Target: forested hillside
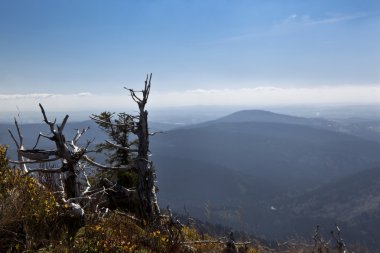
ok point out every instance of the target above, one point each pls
(254, 164)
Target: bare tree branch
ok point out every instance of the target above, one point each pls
(78, 135)
(60, 128)
(145, 92)
(121, 147)
(19, 145)
(37, 154)
(51, 124)
(154, 133)
(19, 133)
(14, 139)
(104, 167)
(38, 138)
(112, 124)
(44, 171)
(92, 194)
(35, 162)
(133, 95)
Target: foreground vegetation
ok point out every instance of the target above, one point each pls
(31, 220)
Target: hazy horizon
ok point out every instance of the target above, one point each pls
(200, 113)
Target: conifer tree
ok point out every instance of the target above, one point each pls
(118, 131)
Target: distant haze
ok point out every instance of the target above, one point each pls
(257, 96)
(185, 115)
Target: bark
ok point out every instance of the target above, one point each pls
(146, 190)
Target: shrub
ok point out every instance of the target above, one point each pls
(29, 215)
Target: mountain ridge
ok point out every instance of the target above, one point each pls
(255, 115)
(283, 160)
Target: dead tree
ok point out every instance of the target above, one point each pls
(340, 245)
(69, 154)
(20, 146)
(147, 207)
(146, 174)
(320, 246)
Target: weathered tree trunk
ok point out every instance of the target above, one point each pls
(146, 174)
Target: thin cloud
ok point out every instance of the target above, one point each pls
(249, 96)
(270, 95)
(41, 95)
(293, 21)
(306, 20)
(26, 96)
(83, 94)
(223, 91)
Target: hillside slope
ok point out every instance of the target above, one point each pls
(287, 155)
(352, 201)
(274, 163)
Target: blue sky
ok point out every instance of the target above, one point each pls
(76, 49)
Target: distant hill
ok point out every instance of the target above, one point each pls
(257, 161)
(344, 198)
(303, 155)
(367, 129)
(266, 116)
